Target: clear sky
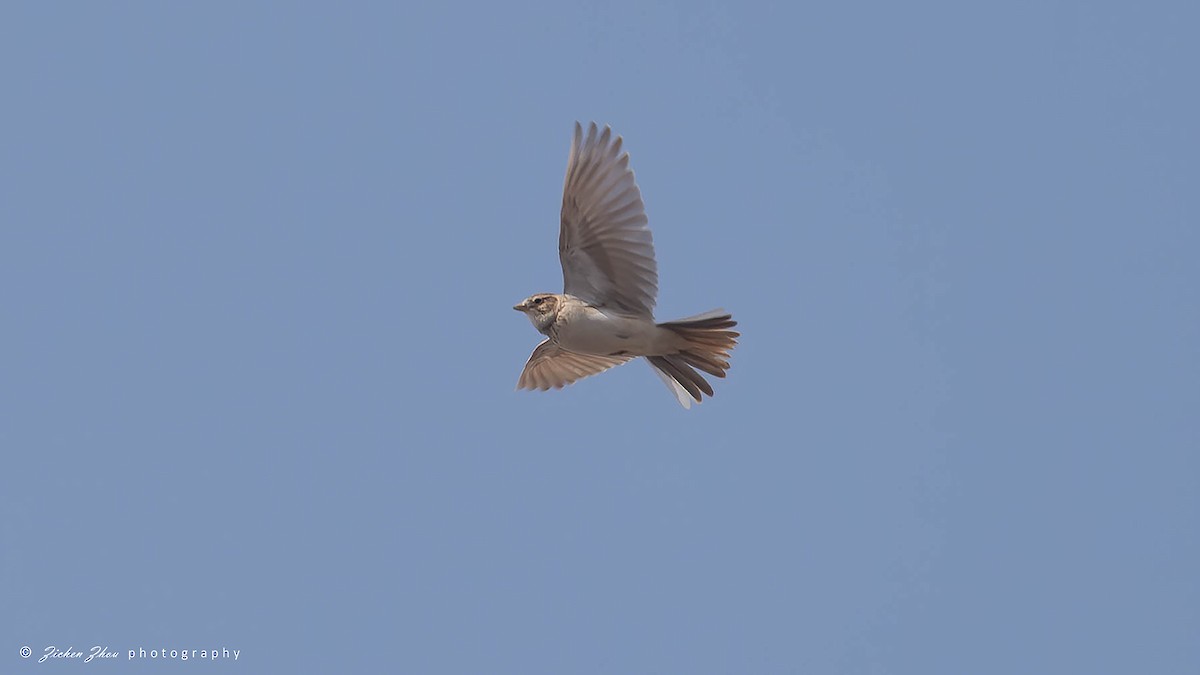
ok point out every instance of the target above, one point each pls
(257, 263)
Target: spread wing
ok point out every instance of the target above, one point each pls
(605, 247)
(551, 366)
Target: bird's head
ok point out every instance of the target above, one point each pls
(541, 309)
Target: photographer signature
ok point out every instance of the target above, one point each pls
(97, 652)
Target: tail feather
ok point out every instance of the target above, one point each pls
(710, 365)
(705, 345)
(683, 374)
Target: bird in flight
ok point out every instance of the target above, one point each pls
(605, 315)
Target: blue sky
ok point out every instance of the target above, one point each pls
(257, 262)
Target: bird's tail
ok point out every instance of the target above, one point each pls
(706, 342)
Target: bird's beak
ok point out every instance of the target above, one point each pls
(520, 307)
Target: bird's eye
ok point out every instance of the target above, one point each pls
(537, 301)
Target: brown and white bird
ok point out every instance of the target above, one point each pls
(605, 315)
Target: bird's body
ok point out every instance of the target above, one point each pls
(580, 327)
(605, 315)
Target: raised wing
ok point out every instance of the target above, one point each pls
(605, 247)
(551, 366)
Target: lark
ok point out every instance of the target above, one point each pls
(605, 315)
